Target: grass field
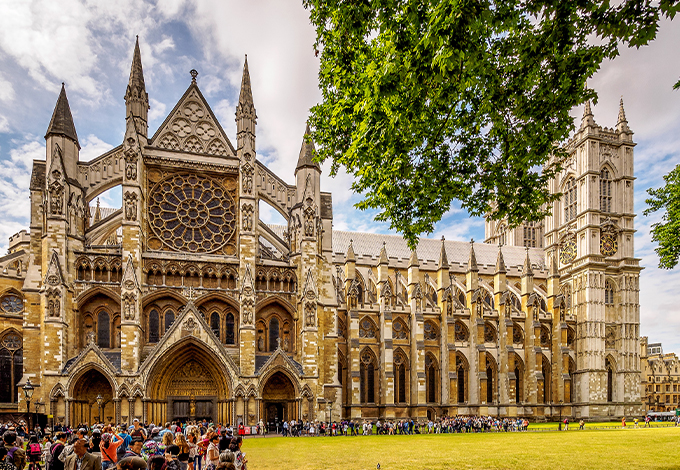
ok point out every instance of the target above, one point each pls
(630, 448)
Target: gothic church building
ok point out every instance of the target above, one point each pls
(183, 304)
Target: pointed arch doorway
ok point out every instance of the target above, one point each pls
(278, 400)
(189, 384)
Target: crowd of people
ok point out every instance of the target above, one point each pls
(175, 446)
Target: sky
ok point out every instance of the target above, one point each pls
(87, 44)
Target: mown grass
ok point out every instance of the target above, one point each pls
(643, 448)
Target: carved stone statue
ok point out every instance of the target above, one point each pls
(130, 206)
(260, 343)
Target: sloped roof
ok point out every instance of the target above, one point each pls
(62, 120)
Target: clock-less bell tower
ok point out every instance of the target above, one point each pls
(591, 233)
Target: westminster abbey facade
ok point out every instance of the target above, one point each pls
(182, 304)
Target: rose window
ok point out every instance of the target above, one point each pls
(11, 304)
(191, 213)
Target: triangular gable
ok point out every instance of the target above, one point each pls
(280, 359)
(53, 277)
(91, 354)
(192, 127)
(190, 322)
(129, 281)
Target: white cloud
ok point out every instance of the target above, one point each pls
(156, 111)
(92, 147)
(4, 124)
(15, 177)
(6, 89)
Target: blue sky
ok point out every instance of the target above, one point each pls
(88, 45)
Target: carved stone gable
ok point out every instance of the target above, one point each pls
(53, 277)
(192, 127)
(129, 281)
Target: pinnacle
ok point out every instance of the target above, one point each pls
(383, 255)
(472, 261)
(246, 95)
(554, 272)
(136, 72)
(526, 269)
(588, 119)
(414, 259)
(305, 160)
(622, 113)
(350, 253)
(500, 262)
(443, 260)
(62, 120)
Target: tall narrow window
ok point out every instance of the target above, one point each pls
(605, 191)
(215, 323)
(154, 326)
(431, 379)
(367, 378)
(546, 381)
(103, 330)
(608, 293)
(460, 372)
(570, 198)
(400, 377)
(11, 366)
(489, 385)
(169, 319)
(518, 381)
(610, 380)
(273, 334)
(229, 336)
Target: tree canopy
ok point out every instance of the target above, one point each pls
(666, 232)
(430, 101)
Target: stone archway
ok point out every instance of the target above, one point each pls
(188, 383)
(278, 401)
(83, 404)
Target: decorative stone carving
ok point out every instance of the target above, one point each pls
(130, 164)
(53, 304)
(310, 314)
(247, 216)
(53, 276)
(190, 325)
(129, 306)
(130, 199)
(247, 311)
(56, 198)
(310, 215)
(247, 177)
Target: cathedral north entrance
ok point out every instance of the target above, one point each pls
(188, 384)
(279, 401)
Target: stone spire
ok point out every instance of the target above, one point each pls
(62, 120)
(622, 122)
(383, 255)
(136, 97)
(350, 253)
(245, 106)
(136, 83)
(554, 271)
(472, 261)
(443, 260)
(97, 213)
(307, 153)
(500, 262)
(588, 119)
(526, 269)
(413, 261)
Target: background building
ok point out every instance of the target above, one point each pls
(660, 378)
(182, 304)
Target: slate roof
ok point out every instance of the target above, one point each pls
(62, 120)
(368, 245)
(38, 176)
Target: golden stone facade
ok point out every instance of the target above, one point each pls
(183, 304)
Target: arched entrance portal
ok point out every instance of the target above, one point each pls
(84, 406)
(188, 384)
(278, 401)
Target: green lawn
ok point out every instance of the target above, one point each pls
(630, 448)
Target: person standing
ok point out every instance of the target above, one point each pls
(53, 461)
(15, 453)
(80, 459)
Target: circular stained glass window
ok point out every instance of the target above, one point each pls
(11, 303)
(192, 213)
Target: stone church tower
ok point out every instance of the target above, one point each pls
(182, 304)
